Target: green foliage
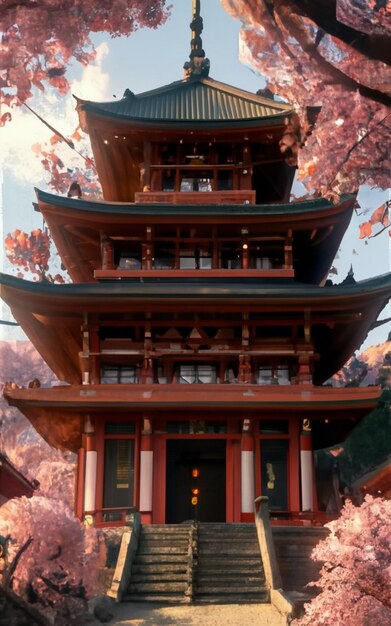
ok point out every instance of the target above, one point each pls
(369, 444)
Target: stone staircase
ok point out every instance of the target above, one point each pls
(200, 563)
(293, 545)
(229, 566)
(163, 566)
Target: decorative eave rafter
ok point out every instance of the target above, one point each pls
(57, 413)
(53, 314)
(76, 225)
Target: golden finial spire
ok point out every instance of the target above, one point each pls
(198, 64)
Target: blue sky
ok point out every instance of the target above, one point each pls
(146, 60)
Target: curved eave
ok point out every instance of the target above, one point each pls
(75, 226)
(12, 482)
(52, 315)
(294, 296)
(57, 412)
(95, 116)
(311, 209)
(194, 103)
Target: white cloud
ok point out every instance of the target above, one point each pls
(94, 83)
(25, 130)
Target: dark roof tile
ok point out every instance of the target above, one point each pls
(201, 100)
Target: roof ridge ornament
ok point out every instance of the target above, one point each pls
(198, 65)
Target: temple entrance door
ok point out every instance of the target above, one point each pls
(184, 457)
(274, 472)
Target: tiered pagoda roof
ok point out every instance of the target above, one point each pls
(317, 225)
(51, 315)
(196, 100)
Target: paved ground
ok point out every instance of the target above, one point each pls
(144, 614)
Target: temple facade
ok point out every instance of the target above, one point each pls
(199, 327)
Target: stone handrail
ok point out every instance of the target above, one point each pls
(269, 559)
(127, 552)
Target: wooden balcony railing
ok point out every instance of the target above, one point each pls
(110, 274)
(112, 516)
(240, 196)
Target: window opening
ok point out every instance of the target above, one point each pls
(197, 374)
(118, 375)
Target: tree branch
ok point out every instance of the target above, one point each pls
(37, 618)
(289, 16)
(11, 569)
(355, 145)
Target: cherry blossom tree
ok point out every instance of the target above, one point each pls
(40, 38)
(31, 253)
(57, 557)
(59, 176)
(330, 60)
(53, 469)
(378, 222)
(355, 579)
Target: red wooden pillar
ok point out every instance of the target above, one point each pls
(247, 474)
(107, 253)
(245, 256)
(79, 488)
(146, 472)
(233, 487)
(294, 465)
(159, 480)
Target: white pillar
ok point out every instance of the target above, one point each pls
(306, 480)
(306, 468)
(248, 486)
(90, 481)
(146, 480)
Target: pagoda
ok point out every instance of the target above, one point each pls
(199, 327)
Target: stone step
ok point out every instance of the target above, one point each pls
(219, 533)
(211, 547)
(227, 548)
(165, 529)
(160, 568)
(160, 598)
(231, 574)
(168, 549)
(222, 562)
(165, 538)
(227, 567)
(158, 576)
(229, 581)
(224, 591)
(151, 568)
(221, 536)
(177, 531)
(294, 546)
(233, 598)
(160, 558)
(300, 531)
(234, 570)
(161, 587)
